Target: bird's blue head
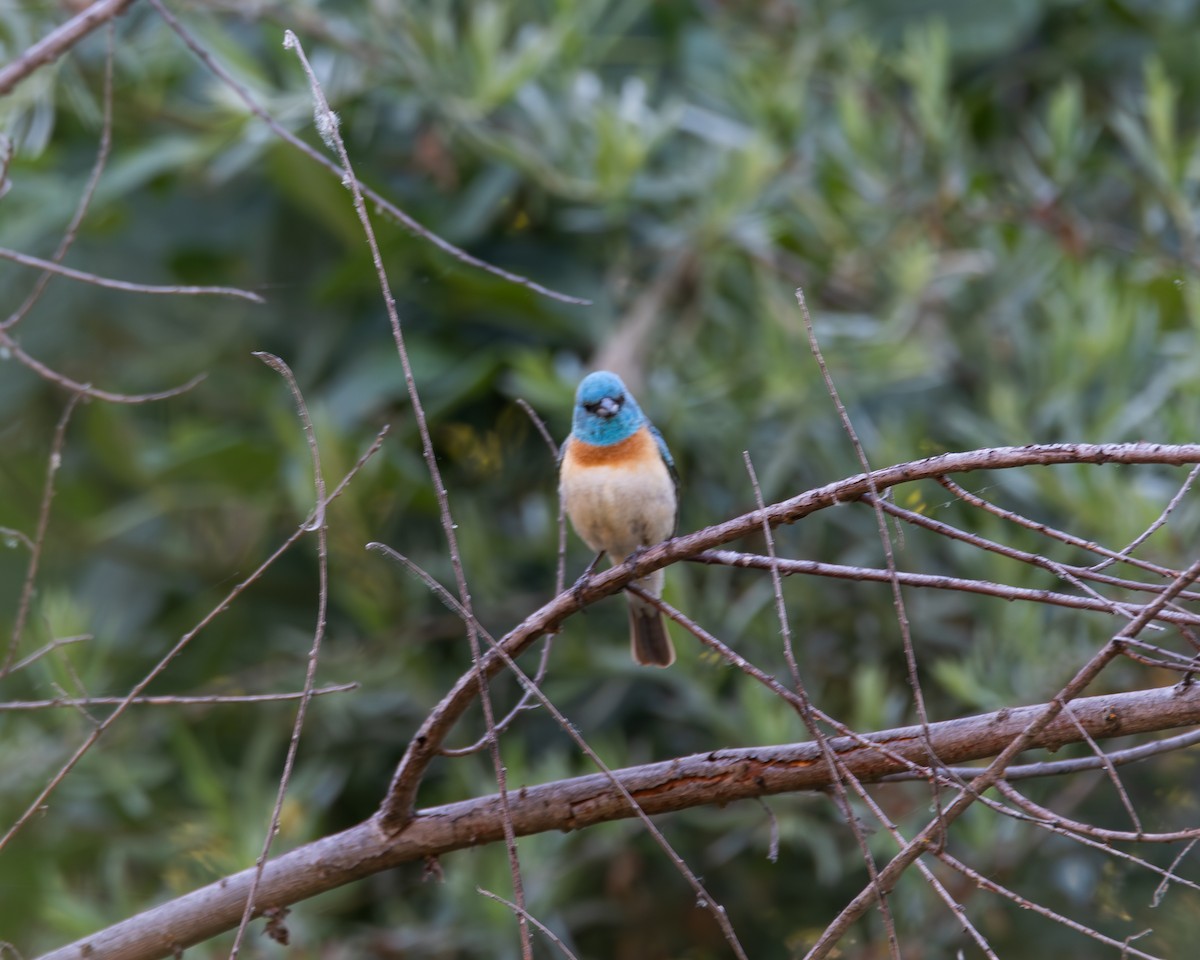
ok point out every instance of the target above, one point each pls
(605, 412)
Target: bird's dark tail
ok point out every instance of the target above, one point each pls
(648, 635)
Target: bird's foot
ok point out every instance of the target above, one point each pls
(631, 561)
(584, 579)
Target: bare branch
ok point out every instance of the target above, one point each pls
(429, 738)
(59, 41)
(714, 777)
(935, 830)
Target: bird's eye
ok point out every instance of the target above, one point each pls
(605, 405)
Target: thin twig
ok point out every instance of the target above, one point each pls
(12, 534)
(934, 830)
(885, 540)
(53, 464)
(1073, 575)
(89, 190)
(1037, 526)
(344, 174)
(1037, 811)
(327, 123)
(49, 648)
(10, 346)
(1110, 769)
(96, 280)
(806, 714)
(1058, 768)
(1060, 535)
(1161, 890)
(1024, 903)
(314, 654)
(1124, 553)
(497, 650)
(175, 700)
(170, 655)
(6, 155)
(931, 878)
(523, 704)
(540, 425)
(930, 581)
(532, 919)
(1107, 849)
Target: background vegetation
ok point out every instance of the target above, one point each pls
(991, 208)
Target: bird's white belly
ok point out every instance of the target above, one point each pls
(618, 509)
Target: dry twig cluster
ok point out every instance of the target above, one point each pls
(838, 760)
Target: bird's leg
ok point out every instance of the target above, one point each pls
(584, 578)
(633, 558)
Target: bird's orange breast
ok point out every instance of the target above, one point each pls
(640, 447)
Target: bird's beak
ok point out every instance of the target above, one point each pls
(607, 407)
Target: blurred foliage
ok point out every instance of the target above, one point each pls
(991, 207)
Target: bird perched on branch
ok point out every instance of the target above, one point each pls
(619, 487)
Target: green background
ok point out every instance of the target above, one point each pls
(991, 208)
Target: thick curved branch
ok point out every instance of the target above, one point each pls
(399, 803)
(718, 777)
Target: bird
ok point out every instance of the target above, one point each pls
(618, 486)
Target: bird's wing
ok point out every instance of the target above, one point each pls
(670, 462)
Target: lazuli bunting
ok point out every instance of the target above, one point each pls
(619, 487)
